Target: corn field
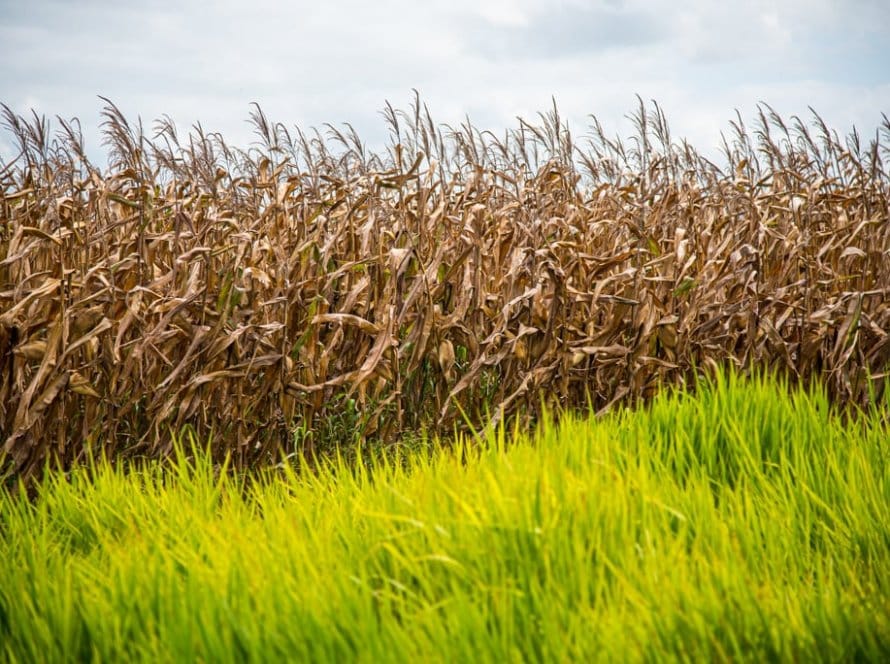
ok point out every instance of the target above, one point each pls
(309, 290)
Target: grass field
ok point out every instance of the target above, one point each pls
(741, 522)
(300, 311)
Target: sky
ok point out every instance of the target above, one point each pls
(308, 63)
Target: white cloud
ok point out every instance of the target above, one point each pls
(309, 62)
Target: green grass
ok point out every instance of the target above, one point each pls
(745, 522)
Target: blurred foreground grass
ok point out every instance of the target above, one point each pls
(742, 522)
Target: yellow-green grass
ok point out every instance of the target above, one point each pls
(745, 521)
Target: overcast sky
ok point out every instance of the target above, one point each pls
(308, 63)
